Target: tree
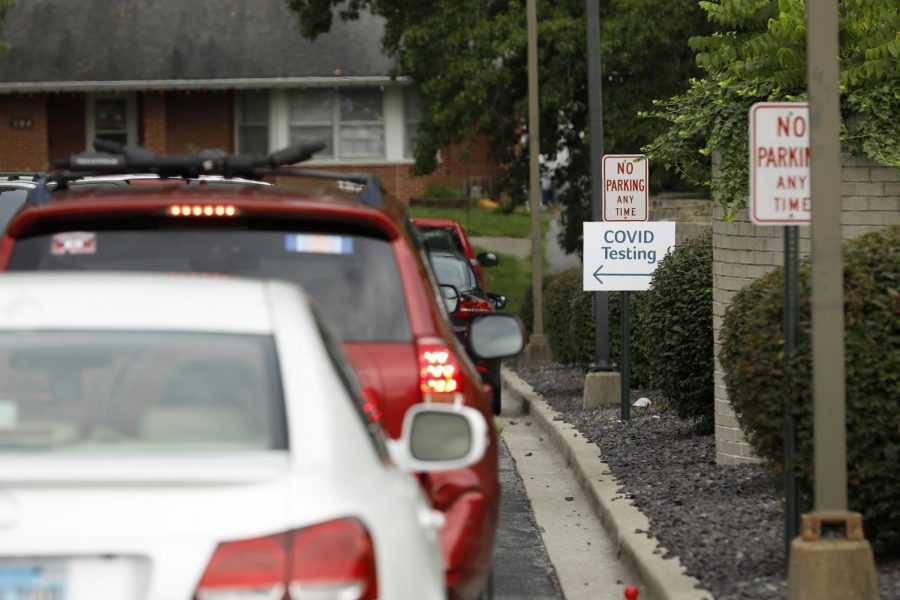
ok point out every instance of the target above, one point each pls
(5, 5)
(469, 61)
(758, 53)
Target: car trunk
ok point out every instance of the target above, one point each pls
(84, 528)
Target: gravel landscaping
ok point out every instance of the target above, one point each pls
(725, 522)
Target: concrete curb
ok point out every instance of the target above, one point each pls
(662, 579)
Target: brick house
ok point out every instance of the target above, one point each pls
(178, 76)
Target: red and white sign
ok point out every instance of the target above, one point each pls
(74, 242)
(779, 163)
(626, 190)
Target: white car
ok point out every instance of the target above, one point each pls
(173, 437)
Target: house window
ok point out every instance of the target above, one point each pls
(311, 116)
(111, 117)
(362, 123)
(350, 122)
(412, 112)
(253, 123)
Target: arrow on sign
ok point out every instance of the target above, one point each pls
(597, 274)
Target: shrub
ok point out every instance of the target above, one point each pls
(676, 329)
(558, 317)
(752, 358)
(569, 325)
(442, 189)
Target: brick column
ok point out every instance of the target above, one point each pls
(23, 132)
(743, 252)
(154, 108)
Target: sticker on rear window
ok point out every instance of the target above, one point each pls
(318, 244)
(73, 242)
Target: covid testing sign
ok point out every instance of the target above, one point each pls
(779, 164)
(623, 256)
(626, 190)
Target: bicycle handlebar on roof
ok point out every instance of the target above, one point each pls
(112, 158)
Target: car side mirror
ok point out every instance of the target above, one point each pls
(496, 336)
(438, 437)
(498, 300)
(450, 296)
(487, 259)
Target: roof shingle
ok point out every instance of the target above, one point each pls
(76, 41)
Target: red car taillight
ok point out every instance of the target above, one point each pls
(439, 375)
(332, 560)
(254, 568)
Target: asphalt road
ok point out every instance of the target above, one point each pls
(522, 570)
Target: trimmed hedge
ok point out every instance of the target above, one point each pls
(677, 331)
(752, 358)
(559, 296)
(671, 327)
(569, 324)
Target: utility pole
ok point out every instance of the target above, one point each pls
(830, 567)
(601, 385)
(538, 351)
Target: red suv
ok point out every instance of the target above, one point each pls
(351, 247)
(459, 243)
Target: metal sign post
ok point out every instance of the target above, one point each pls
(625, 366)
(791, 336)
(622, 257)
(780, 194)
(595, 113)
(626, 198)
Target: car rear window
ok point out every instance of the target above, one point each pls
(442, 239)
(453, 271)
(353, 277)
(11, 198)
(106, 392)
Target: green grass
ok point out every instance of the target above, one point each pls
(480, 221)
(511, 277)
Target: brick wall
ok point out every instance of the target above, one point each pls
(23, 149)
(65, 118)
(153, 122)
(180, 122)
(743, 252)
(692, 215)
(399, 182)
(198, 120)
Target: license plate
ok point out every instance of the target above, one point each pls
(32, 581)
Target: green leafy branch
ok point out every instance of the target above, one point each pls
(758, 53)
(5, 5)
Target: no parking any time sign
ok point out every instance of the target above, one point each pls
(779, 164)
(625, 187)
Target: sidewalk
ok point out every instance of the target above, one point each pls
(555, 257)
(518, 247)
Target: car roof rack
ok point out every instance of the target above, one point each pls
(19, 175)
(112, 158)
